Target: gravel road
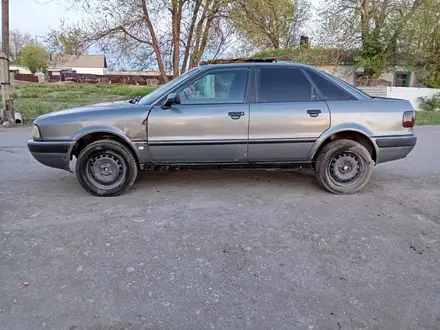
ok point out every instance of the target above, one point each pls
(220, 250)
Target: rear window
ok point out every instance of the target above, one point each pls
(347, 85)
(331, 91)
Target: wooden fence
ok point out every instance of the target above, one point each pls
(95, 79)
(25, 77)
(112, 79)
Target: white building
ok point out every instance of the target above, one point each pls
(19, 69)
(85, 64)
(353, 75)
(81, 64)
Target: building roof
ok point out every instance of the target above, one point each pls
(79, 61)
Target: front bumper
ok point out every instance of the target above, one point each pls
(391, 148)
(52, 154)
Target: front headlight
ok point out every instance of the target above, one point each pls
(36, 133)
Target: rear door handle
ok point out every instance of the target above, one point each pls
(235, 114)
(314, 112)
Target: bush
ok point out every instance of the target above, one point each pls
(428, 118)
(430, 103)
(34, 58)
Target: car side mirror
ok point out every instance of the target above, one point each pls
(173, 98)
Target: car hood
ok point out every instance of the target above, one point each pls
(125, 117)
(104, 106)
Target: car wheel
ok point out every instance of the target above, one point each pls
(106, 168)
(343, 167)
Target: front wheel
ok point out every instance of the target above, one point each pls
(106, 168)
(343, 166)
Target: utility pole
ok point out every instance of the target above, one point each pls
(8, 111)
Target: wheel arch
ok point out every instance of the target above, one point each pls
(92, 134)
(350, 133)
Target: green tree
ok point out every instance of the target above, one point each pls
(65, 40)
(422, 40)
(266, 24)
(34, 58)
(377, 26)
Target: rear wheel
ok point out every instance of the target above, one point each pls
(343, 166)
(106, 168)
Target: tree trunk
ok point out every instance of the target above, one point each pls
(365, 19)
(190, 35)
(155, 43)
(176, 13)
(275, 34)
(204, 38)
(199, 29)
(275, 42)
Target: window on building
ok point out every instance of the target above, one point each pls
(401, 79)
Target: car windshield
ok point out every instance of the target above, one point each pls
(151, 97)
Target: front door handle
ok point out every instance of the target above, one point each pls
(235, 114)
(314, 112)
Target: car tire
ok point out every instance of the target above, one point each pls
(106, 168)
(343, 166)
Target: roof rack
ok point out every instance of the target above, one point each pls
(239, 60)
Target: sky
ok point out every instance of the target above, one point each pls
(36, 16)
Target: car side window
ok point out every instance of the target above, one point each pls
(330, 91)
(222, 86)
(283, 84)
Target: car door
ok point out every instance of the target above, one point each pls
(210, 124)
(288, 116)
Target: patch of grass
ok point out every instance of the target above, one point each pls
(36, 99)
(32, 108)
(428, 118)
(28, 95)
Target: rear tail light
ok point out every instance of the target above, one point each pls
(409, 119)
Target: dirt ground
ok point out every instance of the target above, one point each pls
(220, 250)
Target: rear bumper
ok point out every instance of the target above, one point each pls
(397, 141)
(394, 147)
(52, 154)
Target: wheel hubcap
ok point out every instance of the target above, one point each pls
(106, 170)
(345, 167)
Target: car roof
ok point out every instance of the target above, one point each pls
(267, 64)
